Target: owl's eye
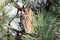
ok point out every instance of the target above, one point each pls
(24, 10)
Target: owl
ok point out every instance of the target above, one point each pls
(26, 14)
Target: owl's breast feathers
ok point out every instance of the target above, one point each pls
(27, 14)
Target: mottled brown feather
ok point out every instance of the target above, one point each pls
(27, 14)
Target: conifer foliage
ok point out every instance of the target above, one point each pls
(35, 20)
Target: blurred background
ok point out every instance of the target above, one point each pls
(46, 19)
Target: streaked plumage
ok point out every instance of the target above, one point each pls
(27, 20)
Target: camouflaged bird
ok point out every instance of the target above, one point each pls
(27, 20)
